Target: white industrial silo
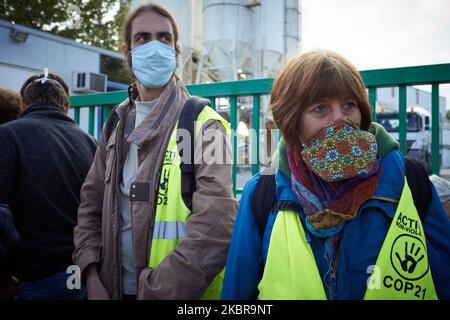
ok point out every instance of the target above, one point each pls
(182, 12)
(278, 37)
(252, 38)
(292, 31)
(270, 44)
(227, 36)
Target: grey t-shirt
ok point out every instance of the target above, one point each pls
(143, 108)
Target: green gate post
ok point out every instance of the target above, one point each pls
(233, 120)
(76, 115)
(373, 102)
(106, 112)
(256, 127)
(435, 137)
(402, 119)
(91, 120)
(213, 103)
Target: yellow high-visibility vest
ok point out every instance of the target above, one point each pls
(402, 270)
(171, 211)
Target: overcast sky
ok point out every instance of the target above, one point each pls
(376, 34)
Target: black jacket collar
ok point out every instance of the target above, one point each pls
(45, 111)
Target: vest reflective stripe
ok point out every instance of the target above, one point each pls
(169, 230)
(171, 212)
(402, 269)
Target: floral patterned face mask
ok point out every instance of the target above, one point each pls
(340, 151)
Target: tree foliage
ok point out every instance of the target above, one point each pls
(93, 22)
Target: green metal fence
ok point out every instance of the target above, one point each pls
(433, 75)
(373, 79)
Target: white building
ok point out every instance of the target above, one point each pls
(388, 98)
(25, 51)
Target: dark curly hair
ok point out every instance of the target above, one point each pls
(10, 105)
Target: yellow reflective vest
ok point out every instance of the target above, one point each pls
(171, 211)
(402, 270)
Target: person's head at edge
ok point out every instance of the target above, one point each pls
(10, 105)
(314, 89)
(54, 92)
(150, 23)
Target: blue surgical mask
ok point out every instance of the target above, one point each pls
(153, 63)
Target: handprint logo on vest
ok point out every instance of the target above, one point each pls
(407, 257)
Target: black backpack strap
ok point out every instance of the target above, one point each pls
(189, 114)
(111, 123)
(420, 185)
(263, 200)
(287, 205)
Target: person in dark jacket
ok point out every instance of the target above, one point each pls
(8, 241)
(44, 160)
(10, 108)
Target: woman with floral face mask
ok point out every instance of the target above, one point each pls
(344, 224)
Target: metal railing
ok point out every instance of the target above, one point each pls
(433, 75)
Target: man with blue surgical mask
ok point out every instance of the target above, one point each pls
(152, 223)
